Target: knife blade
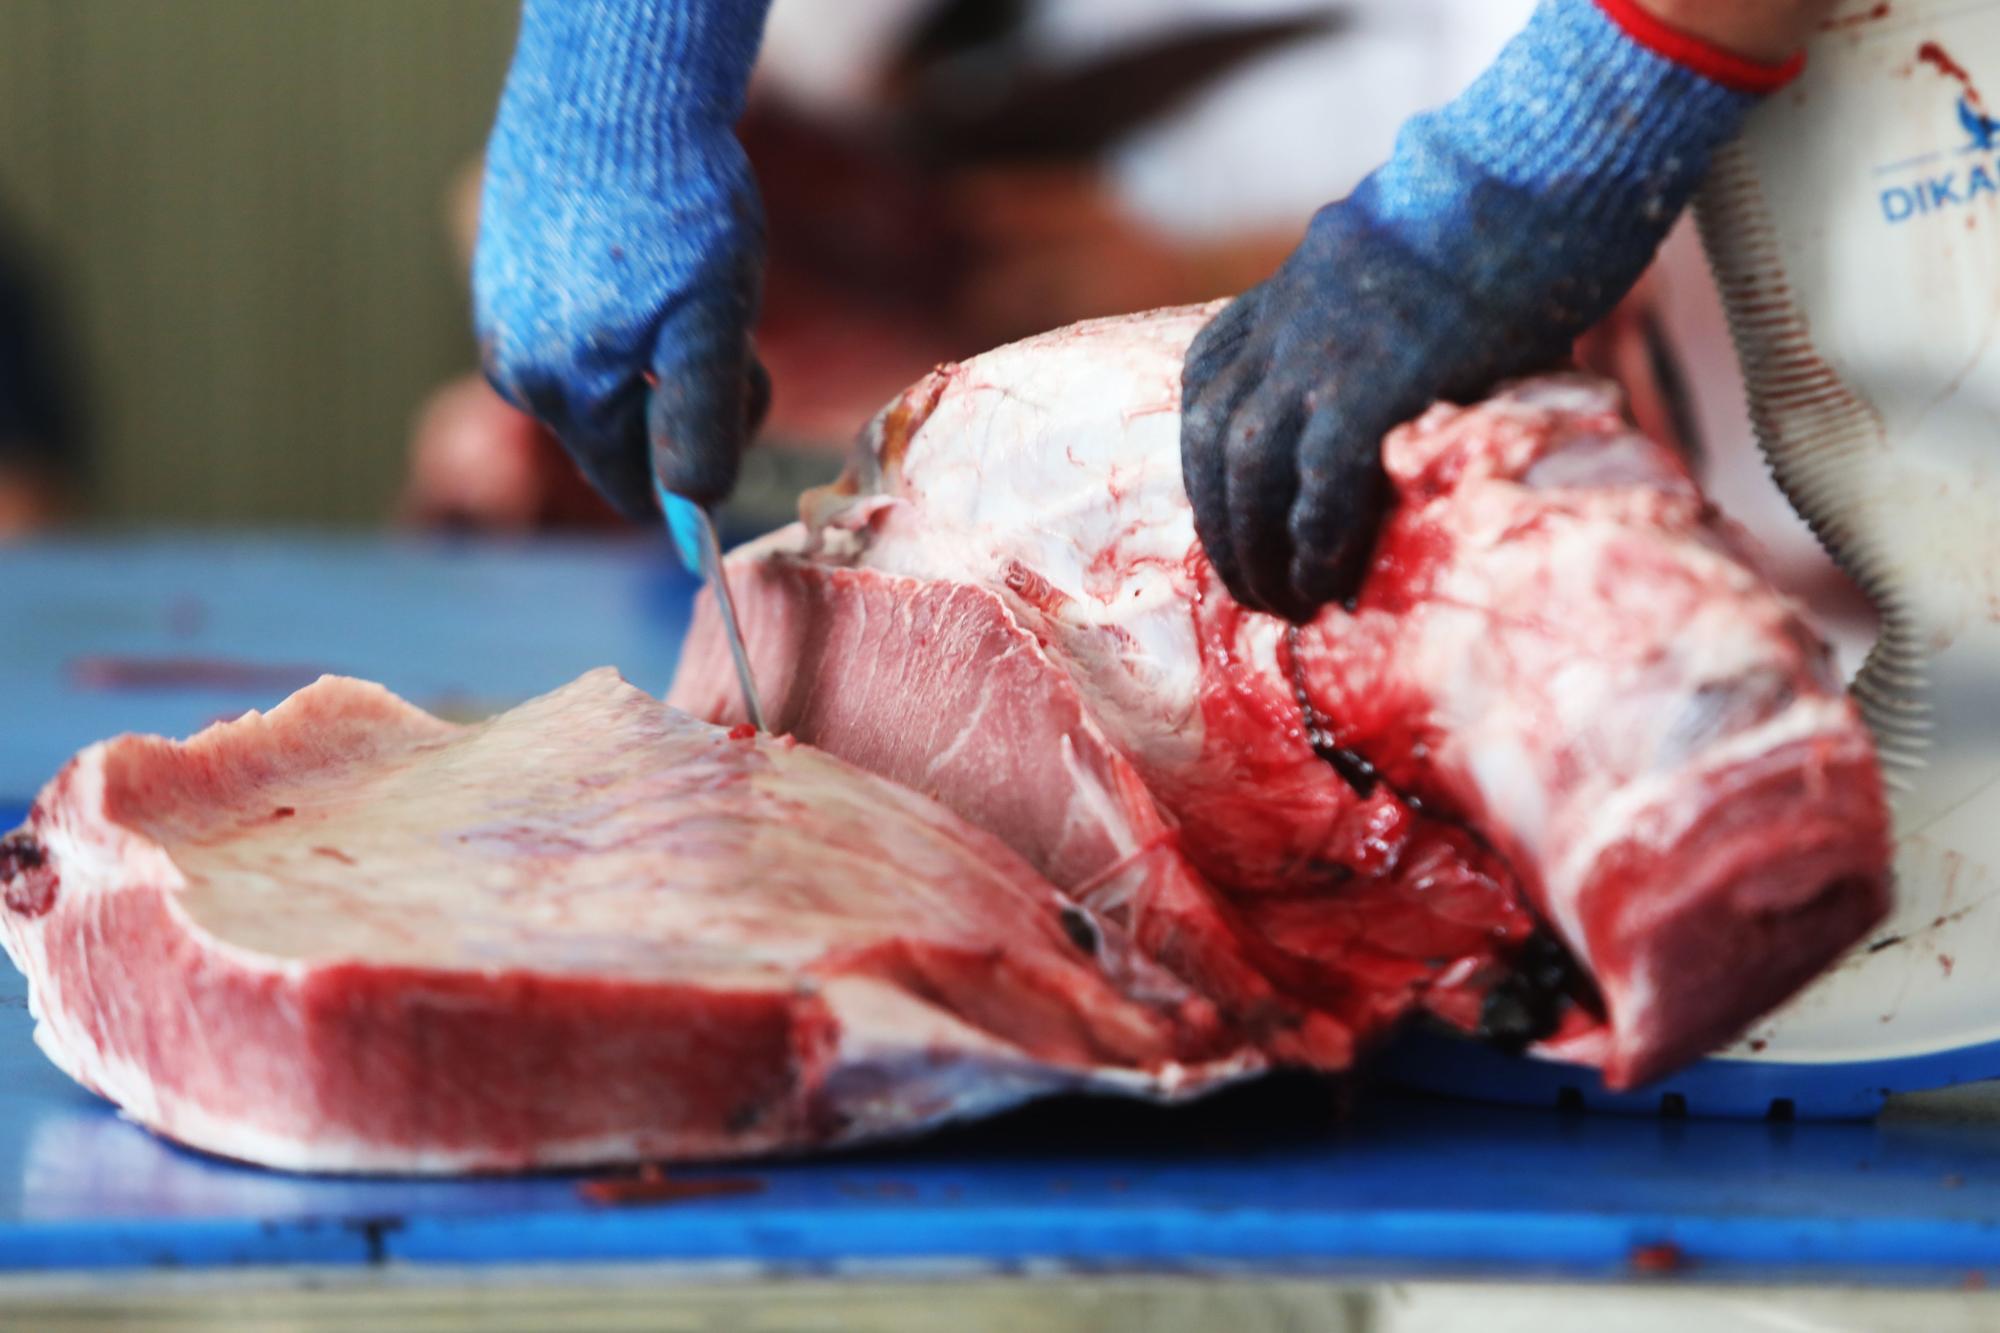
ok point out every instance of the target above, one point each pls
(693, 529)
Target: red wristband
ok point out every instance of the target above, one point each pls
(1738, 73)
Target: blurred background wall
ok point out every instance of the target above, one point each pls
(238, 211)
(238, 214)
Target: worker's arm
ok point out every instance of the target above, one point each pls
(620, 254)
(1504, 225)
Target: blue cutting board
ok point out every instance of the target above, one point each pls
(1280, 1177)
(166, 634)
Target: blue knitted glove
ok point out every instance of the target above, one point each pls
(620, 254)
(1504, 226)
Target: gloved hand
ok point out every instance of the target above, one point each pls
(1504, 225)
(620, 257)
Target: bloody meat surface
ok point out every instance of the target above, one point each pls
(1563, 697)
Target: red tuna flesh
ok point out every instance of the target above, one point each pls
(1563, 696)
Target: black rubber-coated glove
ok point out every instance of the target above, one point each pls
(1504, 226)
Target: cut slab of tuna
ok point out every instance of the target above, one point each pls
(348, 936)
(1189, 841)
(1563, 695)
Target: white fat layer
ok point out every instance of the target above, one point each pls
(1069, 466)
(1573, 751)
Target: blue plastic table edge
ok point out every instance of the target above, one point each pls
(1190, 1238)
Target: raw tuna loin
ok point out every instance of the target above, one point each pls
(1564, 696)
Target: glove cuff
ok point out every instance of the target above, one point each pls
(631, 90)
(1576, 107)
(1546, 187)
(1697, 54)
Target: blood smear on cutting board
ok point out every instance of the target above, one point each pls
(1665, 1257)
(653, 1185)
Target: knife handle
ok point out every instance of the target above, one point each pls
(685, 520)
